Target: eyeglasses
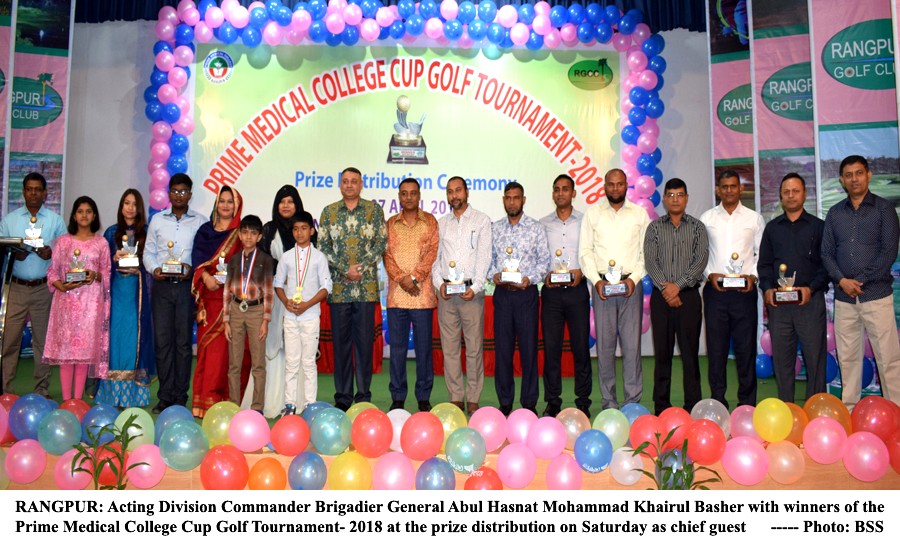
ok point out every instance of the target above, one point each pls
(676, 195)
(180, 192)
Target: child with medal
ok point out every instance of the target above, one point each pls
(303, 270)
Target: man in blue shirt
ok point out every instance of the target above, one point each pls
(859, 246)
(28, 291)
(171, 301)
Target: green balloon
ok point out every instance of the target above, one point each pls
(330, 431)
(217, 420)
(59, 431)
(465, 450)
(614, 425)
(141, 429)
(183, 445)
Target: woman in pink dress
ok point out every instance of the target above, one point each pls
(78, 332)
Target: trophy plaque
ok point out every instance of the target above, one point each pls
(33, 237)
(130, 258)
(733, 279)
(455, 281)
(614, 286)
(221, 269)
(785, 294)
(172, 267)
(76, 273)
(561, 274)
(511, 273)
(407, 145)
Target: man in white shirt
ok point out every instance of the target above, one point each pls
(730, 298)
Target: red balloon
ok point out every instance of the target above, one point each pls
(484, 478)
(372, 433)
(76, 406)
(267, 474)
(224, 468)
(290, 435)
(107, 459)
(645, 429)
(893, 445)
(677, 419)
(706, 442)
(421, 436)
(876, 415)
(7, 400)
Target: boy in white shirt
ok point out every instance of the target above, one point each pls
(303, 273)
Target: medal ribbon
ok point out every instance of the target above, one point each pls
(245, 282)
(301, 275)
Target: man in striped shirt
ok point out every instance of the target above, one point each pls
(676, 250)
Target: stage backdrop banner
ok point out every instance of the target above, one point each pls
(301, 115)
(40, 88)
(5, 70)
(731, 95)
(782, 82)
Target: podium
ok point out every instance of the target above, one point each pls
(9, 248)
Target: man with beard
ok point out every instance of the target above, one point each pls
(520, 260)
(464, 250)
(611, 246)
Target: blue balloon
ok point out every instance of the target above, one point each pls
(831, 368)
(655, 198)
(179, 144)
(526, 13)
(183, 445)
(158, 78)
(576, 14)
(272, 7)
(167, 417)
(397, 29)
(415, 24)
(653, 45)
(637, 116)
(435, 474)
(251, 37)
(226, 33)
(301, 5)
(307, 472)
(467, 12)
(453, 29)
(593, 451)
(659, 83)
(176, 164)
(612, 15)
(657, 64)
(604, 32)
(764, 366)
(585, 32)
(657, 155)
(868, 371)
(385, 31)
(59, 431)
(333, 40)
(507, 42)
(171, 113)
(312, 409)
(591, 342)
(329, 431)
(283, 16)
(630, 134)
(350, 35)
(559, 16)
(368, 7)
(657, 176)
(317, 9)
(203, 5)
(496, 33)
(184, 34)
(405, 8)
(26, 413)
(150, 94)
(638, 96)
(258, 17)
(99, 416)
(318, 31)
(535, 41)
(477, 29)
(428, 9)
(594, 13)
(636, 15)
(654, 108)
(487, 11)
(652, 94)
(647, 285)
(160, 46)
(153, 111)
(634, 410)
(645, 163)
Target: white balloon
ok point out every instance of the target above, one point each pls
(625, 468)
(398, 417)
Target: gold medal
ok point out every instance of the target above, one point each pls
(298, 297)
(243, 306)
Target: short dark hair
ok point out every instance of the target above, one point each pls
(792, 176)
(251, 222)
(411, 180)
(675, 183)
(513, 185)
(352, 169)
(95, 224)
(303, 217)
(852, 160)
(727, 173)
(181, 178)
(460, 179)
(565, 177)
(34, 176)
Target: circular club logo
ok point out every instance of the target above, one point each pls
(218, 67)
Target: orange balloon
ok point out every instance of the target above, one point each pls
(800, 422)
(786, 462)
(827, 405)
(267, 474)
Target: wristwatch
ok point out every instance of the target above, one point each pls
(414, 280)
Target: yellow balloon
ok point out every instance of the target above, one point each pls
(773, 420)
(217, 420)
(359, 408)
(451, 418)
(350, 471)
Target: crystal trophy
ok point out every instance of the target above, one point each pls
(33, 237)
(614, 285)
(733, 279)
(786, 293)
(455, 281)
(510, 273)
(130, 258)
(172, 267)
(561, 273)
(76, 273)
(407, 145)
(221, 269)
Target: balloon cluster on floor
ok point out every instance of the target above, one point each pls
(446, 23)
(373, 449)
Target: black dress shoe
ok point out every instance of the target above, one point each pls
(160, 406)
(396, 405)
(506, 409)
(586, 410)
(341, 406)
(551, 410)
(424, 406)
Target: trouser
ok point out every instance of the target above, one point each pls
(619, 315)
(173, 321)
(245, 328)
(301, 343)
(353, 331)
(34, 301)
(398, 327)
(560, 307)
(460, 319)
(516, 319)
(731, 318)
(787, 324)
(671, 323)
(877, 317)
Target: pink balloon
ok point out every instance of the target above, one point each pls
(645, 203)
(335, 23)
(546, 438)
(637, 61)
(192, 18)
(168, 14)
(395, 11)
(4, 422)
(519, 33)
(434, 28)
(353, 14)
(184, 104)
(645, 320)
(518, 424)
(393, 471)
(162, 131)
(160, 151)
(154, 165)
(621, 42)
(824, 440)
(184, 125)
(464, 41)
(492, 425)
(272, 33)
(866, 457)
(516, 465)
(644, 187)
(165, 61)
(552, 39)
(25, 461)
(449, 9)
(626, 105)
(541, 25)
(398, 418)
(159, 199)
(165, 31)
(254, 5)
(301, 20)
(568, 33)
(178, 77)
(185, 5)
(159, 179)
(369, 30)
(651, 128)
(867, 347)
(631, 173)
(184, 56)
(641, 33)
(150, 472)
(249, 431)
(214, 17)
(293, 36)
(542, 8)
(63, 476)
(831, 342)
(239, 17)
(742, 423)
(765, 342)
(228, 5)
(630, 154)
(202, 32)
(647, 143)
(745, 461)
(507, 16)
(564, 473)
(166, 93)
(630, 82)
(648, 80)
(384, 17)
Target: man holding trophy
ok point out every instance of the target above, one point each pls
(28, 291)
(729, 296)
(565, 300)
(520, 260)
(612, 242)
(463, 259)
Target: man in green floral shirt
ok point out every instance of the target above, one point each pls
(352, 236)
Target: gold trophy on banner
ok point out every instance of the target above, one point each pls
(614, 286)
(786, 294)
(407, 145)
(561, 274)
(733, 279)
(511, 273)
(76, 273)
